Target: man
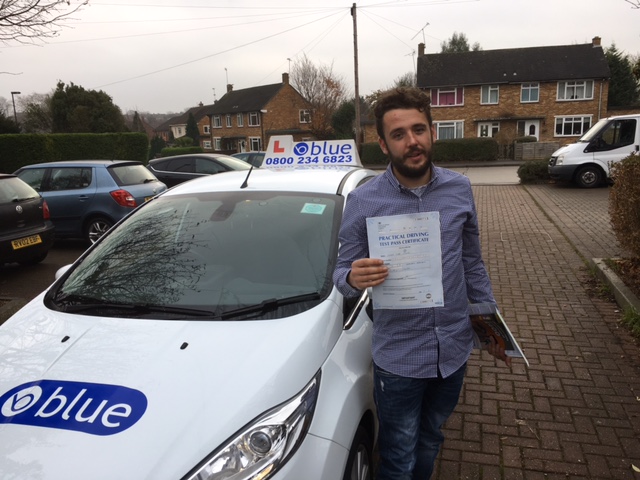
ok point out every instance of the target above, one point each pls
(420, 354)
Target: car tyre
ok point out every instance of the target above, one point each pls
(360, 461)
(589, 176)
(96, 227)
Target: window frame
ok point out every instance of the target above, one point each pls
(530, 87)
(255, 144)
(216, 121)
(217, 143)
(437, 95)
(566, 87)
(254, 117)
(457, 125)
(492, 129)
(229, 122)
(304, 115)
(240, 120)
(570, 121)
(489, 91)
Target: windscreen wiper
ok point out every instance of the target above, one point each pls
(79, 304)
(269, 305)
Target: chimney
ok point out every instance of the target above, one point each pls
(285, 78)
(596, 41)
(201, 104)
(420, 49)
(229, 87)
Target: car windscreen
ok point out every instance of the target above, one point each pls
(210, 255)
(131, 174)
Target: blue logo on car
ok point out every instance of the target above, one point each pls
(300, 149)
(94, 408)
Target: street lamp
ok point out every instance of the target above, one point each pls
(15, 115)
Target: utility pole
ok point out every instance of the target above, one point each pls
(356, 80)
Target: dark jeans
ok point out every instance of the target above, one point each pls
(411, 412)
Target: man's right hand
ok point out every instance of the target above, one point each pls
(367, 272)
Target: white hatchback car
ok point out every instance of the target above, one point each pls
(201, 338)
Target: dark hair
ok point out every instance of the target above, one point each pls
(405, 98)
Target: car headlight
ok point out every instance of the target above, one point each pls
(261, 448)
(559, 159)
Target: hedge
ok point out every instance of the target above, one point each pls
(444, 151)
(17, 150)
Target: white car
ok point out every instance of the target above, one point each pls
(201, 338)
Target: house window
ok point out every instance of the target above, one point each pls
(254, 144)
(529, 92)
(206, 144)
(217, 121)
(254, 119)
(305, 116)
(206, 128)
(240, 120)
(488, 129)
(572, 126)
(179, 132)
(217, 143)
(229, 124)
(489, 94)
(449, 130)
(444, 97)
(575, 90)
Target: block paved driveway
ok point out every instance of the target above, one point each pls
(575, 412)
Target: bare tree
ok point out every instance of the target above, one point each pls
(633, 3)
(36, 113)
(24, 21)
(322, 88)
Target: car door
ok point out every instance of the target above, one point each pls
(207, 166)
(69, 192)
(616, 141)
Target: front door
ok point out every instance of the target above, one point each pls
(532, 128)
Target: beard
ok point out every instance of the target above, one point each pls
(400, 165)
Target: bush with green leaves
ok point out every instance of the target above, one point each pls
(534, 171)
(624, 202)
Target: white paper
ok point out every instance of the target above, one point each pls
(410, 247)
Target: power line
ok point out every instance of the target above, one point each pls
(214, 54)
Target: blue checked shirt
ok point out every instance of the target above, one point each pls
(419, 343)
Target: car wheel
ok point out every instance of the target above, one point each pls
(96, 228)
(359, 463)
(589, 176)
(34, 260)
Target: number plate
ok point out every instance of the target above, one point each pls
(26, 242)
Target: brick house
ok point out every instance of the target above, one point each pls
(553, 93)
(176, 127)
(244, 120)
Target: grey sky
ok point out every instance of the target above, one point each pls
(168, 55)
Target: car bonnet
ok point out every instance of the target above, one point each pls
(94, 397)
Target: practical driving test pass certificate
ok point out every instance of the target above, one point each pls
(410, 247)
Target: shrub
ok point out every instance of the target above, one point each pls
(624, 203)
(534, 171)
(171, 151)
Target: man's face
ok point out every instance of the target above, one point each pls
(407, 141)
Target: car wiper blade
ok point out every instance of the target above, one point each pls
(268, 305)
(79, 303)
(16, 200)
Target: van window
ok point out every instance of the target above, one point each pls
(618, 134)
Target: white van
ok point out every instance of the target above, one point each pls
(587, 161)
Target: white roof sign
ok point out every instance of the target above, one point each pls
(284, 153)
